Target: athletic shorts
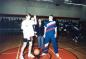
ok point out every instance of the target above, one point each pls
(25, 40)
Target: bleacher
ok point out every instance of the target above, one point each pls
(10, 24)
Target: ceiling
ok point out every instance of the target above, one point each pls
(58, 2)
(73, 2)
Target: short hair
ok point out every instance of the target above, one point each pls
(28, 14)
(51, 15)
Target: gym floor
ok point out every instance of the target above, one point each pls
(12, 41)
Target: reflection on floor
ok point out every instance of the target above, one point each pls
(11, 41)
(14, 53)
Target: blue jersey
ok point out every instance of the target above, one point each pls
(50, 26)
(50, 35)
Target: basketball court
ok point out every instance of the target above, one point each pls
(14, 54)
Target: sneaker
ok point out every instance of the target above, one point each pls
(76, 41)
(21, 57)
(58, 56)
(30, 55)
(43, 54)
(73, 39)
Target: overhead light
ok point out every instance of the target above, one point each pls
(46, 0)
(76, 4)
(67, 1)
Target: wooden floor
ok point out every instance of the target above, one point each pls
(11, 41)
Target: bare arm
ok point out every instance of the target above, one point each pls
(22, 25)
(35, 20)
(44, 31)
(55, 32)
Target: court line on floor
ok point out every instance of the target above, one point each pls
(17, 51)
(9, 53)
(17, 55)
(53, 52)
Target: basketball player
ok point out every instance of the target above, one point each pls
(40, 31)
(28, 33)
(50, 33)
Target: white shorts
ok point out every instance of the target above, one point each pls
(27, 34)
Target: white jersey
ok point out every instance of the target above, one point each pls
(27, 27)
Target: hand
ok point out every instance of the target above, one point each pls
(36, 35)
(44, 35)
(55, 35)
(35, 16)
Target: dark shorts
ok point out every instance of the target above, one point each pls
(25, 40)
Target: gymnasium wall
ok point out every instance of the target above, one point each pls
(83, 21)
(83, 16)
(38, 8)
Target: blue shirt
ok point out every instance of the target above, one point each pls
(50, 26)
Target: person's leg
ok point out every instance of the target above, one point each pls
(76, 36)
(55, 46)
(46, 44)
(54, 43)
(22, 48)
(39, 41)
(30, 48)
(42, 42)
(60, 34)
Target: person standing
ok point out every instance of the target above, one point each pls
(50, 33)
(28, 33)
(40, 31)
